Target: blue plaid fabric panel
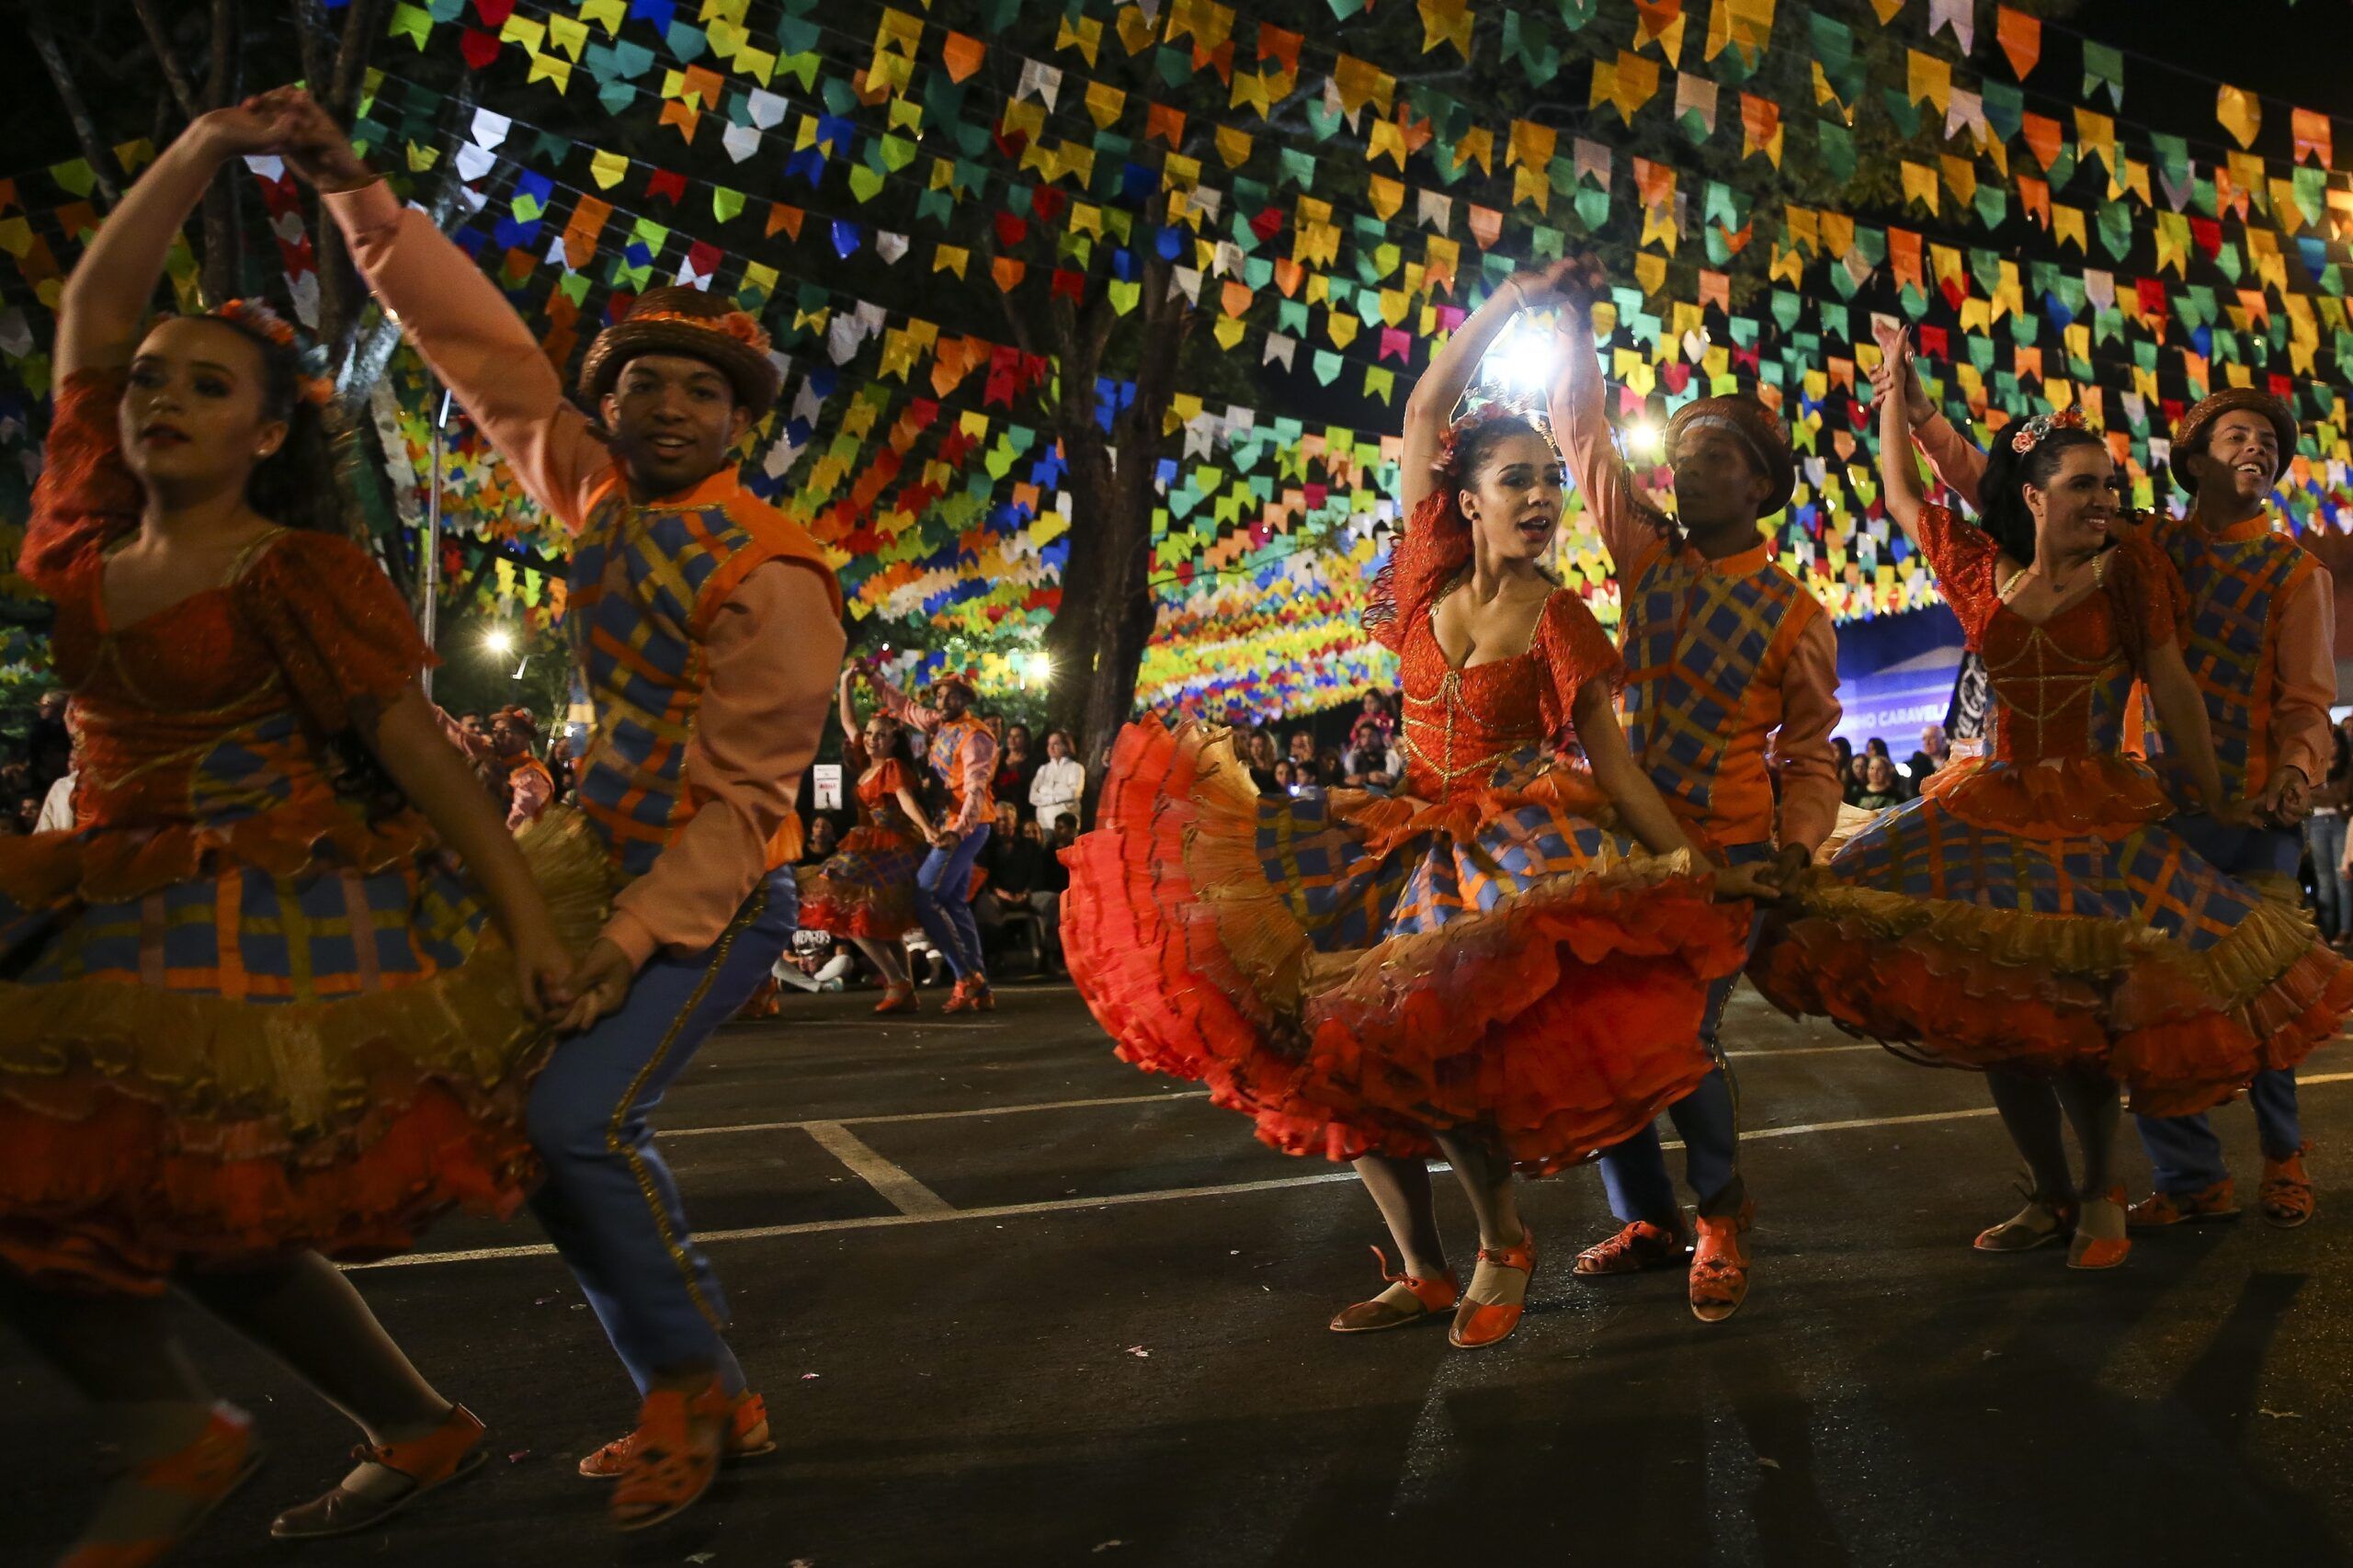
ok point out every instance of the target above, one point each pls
(2150, 878)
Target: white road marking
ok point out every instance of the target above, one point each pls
(1166, 1095)
(907, 1195)
(944, 1213)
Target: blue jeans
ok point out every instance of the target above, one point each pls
(1708, 1118)
(2183, 1150)
(609, 1202)
(2325, 836)
(944, 903)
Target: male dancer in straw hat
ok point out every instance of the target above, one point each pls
(1729, 660)
(2260, 642)
(708, 629)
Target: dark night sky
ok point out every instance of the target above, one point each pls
(2298, 52)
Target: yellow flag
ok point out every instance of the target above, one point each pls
(2240, 112)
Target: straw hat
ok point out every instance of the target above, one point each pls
(2199, 422)
(1755, 427)
(689, 322)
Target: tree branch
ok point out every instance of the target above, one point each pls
(69, 92)
(167, 60)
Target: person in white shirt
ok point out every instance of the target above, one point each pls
(1060, 784)
(57, 808)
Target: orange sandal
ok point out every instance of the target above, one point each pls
(1478, 1324)
(452, 1452)
(679, 1439)
(897, 999)
(2091, 1252)
(1640, 1245)
(747, 1439)
(223, 1458)
(1431, 1296)
(1719, 1264)
(2287, 1192)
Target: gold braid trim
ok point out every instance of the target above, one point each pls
(2252, 957)
(304, 1069)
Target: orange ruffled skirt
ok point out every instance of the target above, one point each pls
(1356, 973)
(162, 1108)
(2042, 918)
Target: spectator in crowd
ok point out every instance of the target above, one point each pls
(1017, 769)
(814, 962)
(1046, 897)
(1924, 762)
(1372, 763)
(1858, 776)
(1014, 863)
(1261, 758)
(1287, 777)
(1060, 784)
(1843, 752)
(560, 767)
(1880, 789)
(1331, 770)
(818, 844)
(2325, 836)
(1876, 746)
(1378, 708)
(1302, 750)
(49, 745)
(57, 808)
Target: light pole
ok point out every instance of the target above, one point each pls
(429, 619)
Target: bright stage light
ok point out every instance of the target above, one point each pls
(1524, 359)
(1643, 439)
(498, 642)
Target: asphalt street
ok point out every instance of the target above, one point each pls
(1013, 1302)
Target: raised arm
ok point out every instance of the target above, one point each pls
(453, 314)
(902, 707)
(107, 297)
(1899, 470)
(1429, 409)
(848, 710)
(1955, 461)
(1581, 425)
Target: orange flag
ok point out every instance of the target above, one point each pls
(2020, 37)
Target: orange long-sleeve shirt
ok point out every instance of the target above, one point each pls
(770, 651)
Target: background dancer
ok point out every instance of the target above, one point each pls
(1487, 966)
(2258, 640)
(962, 750)
(250, 1016)
(708, 629)
(2029, 913)
(866, 891)
(1731, 665)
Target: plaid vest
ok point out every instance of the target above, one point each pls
(2232, 641)
(1693, 641)
(645, 582)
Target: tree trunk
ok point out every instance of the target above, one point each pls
(223, 268)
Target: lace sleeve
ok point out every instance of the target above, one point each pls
(1575, 650)
(86, 495)
(1422, 556)
(335, 623)
(1966, 562)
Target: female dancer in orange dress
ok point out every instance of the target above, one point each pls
(866, 894)
(2031, 914)
(1505, 965)
(249, 1013)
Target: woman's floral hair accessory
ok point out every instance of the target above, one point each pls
(1461, 434)
(2037, 430)
(266, 323)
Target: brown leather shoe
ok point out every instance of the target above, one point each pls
(450, 1452)
(675, 1457)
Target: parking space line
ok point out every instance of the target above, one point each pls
(945, 1213)
(905, 1193)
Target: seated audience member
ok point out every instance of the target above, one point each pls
(1287, 777)
(1858, 768)
(1014, 864)
(1261, 754)
(1301, 750)
(1929, 759)
(1879, 790)
(814, 962)
(1372, 763)
(1046, 897)
(820, 842)
(57, 807)
(1060, 783)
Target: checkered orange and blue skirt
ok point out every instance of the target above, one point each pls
(1359, 973)
(2043, 917)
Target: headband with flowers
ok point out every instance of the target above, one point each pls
(263, 322)
(2037, 430)
(1460, 435)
